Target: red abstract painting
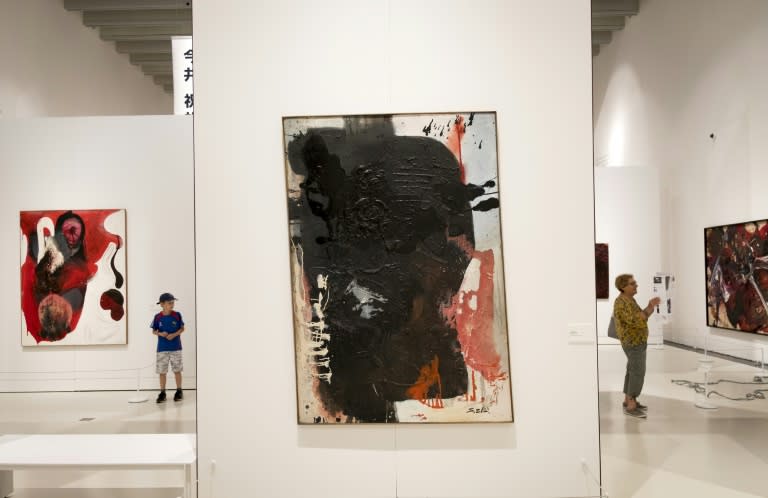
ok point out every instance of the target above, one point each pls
(73, 289)
(737, 276)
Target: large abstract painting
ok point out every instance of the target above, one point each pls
(398, 282)
(73, 287)
(601, 270)
(737, 276)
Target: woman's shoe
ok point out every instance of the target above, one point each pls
(642, 407)
(637, 413)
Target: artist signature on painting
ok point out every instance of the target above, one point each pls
(482, 409)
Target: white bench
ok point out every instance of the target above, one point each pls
(100, 452)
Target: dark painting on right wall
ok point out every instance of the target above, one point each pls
(601, 270)
(737, 276)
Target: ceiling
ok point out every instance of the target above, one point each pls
(609, 16)
(143, 28)
(140, 28)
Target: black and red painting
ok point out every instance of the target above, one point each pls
(73, 289)
(397, 274)
(737, 276)
(601, 270)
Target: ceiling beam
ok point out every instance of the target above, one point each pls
(140, 58)
(601, 37)
(163, 79)
(136, 17)
(126, 4)
(139, 33)
(166, 66)
(144, 47)
(156, 68)
(612, 23)
(606, 8)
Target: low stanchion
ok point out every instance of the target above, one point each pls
(139, 397)
(705, 366)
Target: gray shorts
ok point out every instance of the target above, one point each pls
(166, 357)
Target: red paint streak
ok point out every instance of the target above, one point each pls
(74, 274)
(763, 231)
(115, 309)
(429, 376)
(453, 142)
(475, 327)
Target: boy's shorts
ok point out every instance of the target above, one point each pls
(166, 357)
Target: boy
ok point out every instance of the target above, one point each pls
(168, 326)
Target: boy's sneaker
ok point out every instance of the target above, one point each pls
(178, 396)
(161, 397)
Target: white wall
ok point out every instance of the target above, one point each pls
(142, 164)
(259, 61)
(678, 72)
(53, 65)
(627, 218)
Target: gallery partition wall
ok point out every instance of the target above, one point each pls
(681, 120)
(139, 168)
(258, 63)
(97, 210)
(679, 148)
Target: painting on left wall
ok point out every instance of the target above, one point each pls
(73, 287)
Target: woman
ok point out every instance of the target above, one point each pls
(632, 330)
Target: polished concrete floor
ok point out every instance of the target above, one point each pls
(101, 412)
(680, 449)
(96, 413)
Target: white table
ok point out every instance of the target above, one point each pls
(100, 452)
(6, 482)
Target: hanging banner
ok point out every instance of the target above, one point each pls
(183, 91)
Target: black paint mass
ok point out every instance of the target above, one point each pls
(385, 214)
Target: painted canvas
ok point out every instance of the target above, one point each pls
(601, 270)
(398, 281)
(73, 288)
(737, 276)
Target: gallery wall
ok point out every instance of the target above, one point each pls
(140, 164)
(627, 218)
(257, 62)
(678, 73)
(53, 65)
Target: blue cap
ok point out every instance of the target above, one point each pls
(166, 296)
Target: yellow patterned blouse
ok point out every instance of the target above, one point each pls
(631, 326)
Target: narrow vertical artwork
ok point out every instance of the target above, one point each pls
(737, 276)
(601, 270)
(397, 275)
(73, 288)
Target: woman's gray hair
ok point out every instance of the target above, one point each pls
(623, 280)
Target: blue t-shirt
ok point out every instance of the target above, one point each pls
(168, 323)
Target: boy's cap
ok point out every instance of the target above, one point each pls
(166, 296)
